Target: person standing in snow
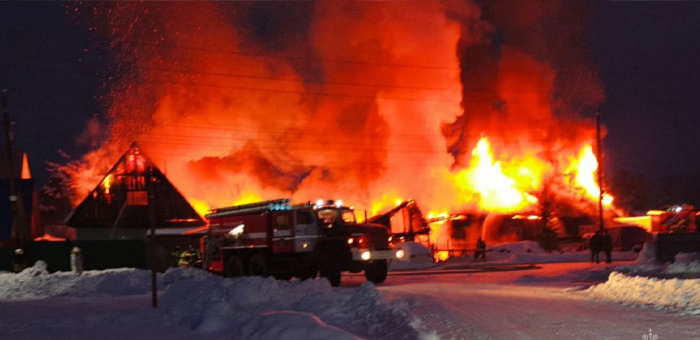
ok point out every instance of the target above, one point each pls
(76, 260)
(19, 262)
(594, 243)
(606, 245)
(187, 258)
(480, 250)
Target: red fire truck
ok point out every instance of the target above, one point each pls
(283, 240)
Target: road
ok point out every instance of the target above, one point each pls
(527, 305)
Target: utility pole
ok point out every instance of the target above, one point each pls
(600, 172)
(152, 244)
(19, 218)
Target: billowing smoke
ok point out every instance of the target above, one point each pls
(266, 100)
(366, 101)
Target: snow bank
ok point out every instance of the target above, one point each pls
(687, 264)
(676, 294)
(264, 308)
(35, 282)
(244, 308)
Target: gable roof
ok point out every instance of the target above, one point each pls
(121, 200)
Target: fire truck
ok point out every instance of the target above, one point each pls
(276, 238)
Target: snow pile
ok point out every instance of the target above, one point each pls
(676, 294)
(416, 256)
(243, 308)
(264, 308)
(685, 263)
(35, 282)
(648, 255)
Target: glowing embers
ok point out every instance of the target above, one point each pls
(496, 190)
(585, 168)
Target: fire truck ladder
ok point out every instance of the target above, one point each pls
(278, 204)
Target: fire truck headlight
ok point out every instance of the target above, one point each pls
(350, 241)
(365, 255)
(400, 254)
(319, 203)
(305, 245)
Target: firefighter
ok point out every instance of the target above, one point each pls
(19, 262)
(76, 260)
(480, 250)
(188, 257)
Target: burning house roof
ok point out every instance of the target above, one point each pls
(121, 200)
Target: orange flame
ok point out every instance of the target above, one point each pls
(585, 169)
(496, 191)
(107, 183)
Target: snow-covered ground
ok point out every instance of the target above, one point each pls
(206, 305)
(560, 299)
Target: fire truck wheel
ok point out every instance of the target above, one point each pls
(377, 271)
(333, 276)
(234, 267)
(258, 265)
(308, 274)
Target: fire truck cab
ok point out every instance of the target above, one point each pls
(285, 241)
(365, 247)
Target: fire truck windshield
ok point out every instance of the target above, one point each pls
(330, 215)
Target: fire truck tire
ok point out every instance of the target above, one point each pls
(234, 267)
(308, 274)
(377, 271)
(333, 276)
(258, 266)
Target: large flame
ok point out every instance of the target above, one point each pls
(362, 101)
(585, 169)
(497, 192)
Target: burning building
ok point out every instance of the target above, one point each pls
(459, 106)
(133, 197)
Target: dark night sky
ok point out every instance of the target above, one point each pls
(647, 55)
